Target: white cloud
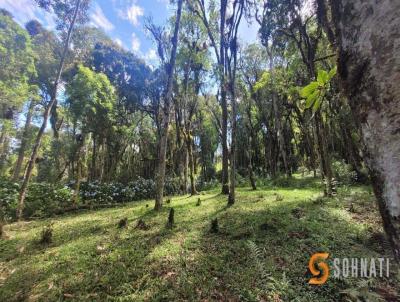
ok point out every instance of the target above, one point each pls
(26, 10)
(118, 41)
(135, 43)
(100, 20)
(151, 54)
(132, 14)
(165, 2)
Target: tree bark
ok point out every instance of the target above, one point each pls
(325, 161)
(22, 147)
(224, 104)
(232, 197)
(80, 155)
(189, 147)
(93, 173)
(162, 151)
(367, 35)
(32, 160)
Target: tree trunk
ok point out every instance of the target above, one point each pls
(189, 142)
(162, 151)
(93, 173)
(231, 198)
(250, 168)
(224, 104)
(279, 134)
(367, 36)
(277, 115)
(80, 155)
(325, 162)
(21, 151)
(32, 160)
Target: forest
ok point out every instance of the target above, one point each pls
(212, 173)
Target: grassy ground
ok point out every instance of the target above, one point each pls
(261, 252)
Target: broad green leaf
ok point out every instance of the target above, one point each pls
(308, 90)
(332, 72)
(312, 98)
(322, 77)
(316, 105)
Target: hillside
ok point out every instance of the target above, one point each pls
(260, 252)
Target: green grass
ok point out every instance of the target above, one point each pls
(261, 252)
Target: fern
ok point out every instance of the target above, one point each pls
(257, 256)
(361, 292)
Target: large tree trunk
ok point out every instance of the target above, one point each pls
(32, 160)
(367, 35)
(22, 147)
(162, 151)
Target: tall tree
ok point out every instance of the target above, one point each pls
(214, 30)
(166, 109)
(231, 53)
(91, 99)
(368, 60)
(68, 12)
(16, 66)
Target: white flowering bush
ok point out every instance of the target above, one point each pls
(115, 192)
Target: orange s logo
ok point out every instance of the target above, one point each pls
(321, 274)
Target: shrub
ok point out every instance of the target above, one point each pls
(207, 185)
(42, 199)
(8, 199)
(45, 200)
(343, 172)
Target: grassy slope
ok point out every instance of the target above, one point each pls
(260, 254)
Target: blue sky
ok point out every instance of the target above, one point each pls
(122, 20)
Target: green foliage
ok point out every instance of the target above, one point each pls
(345, 173)
(46, 200)
(16, 66)
(187, 263)
(102, 193)
(92, 99)
(42, 199)
(362, 292)
(315, 92)
(8, 199)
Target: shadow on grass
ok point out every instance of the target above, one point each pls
(188, 263)
(225, 267)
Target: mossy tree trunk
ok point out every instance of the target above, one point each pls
(366, 35)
